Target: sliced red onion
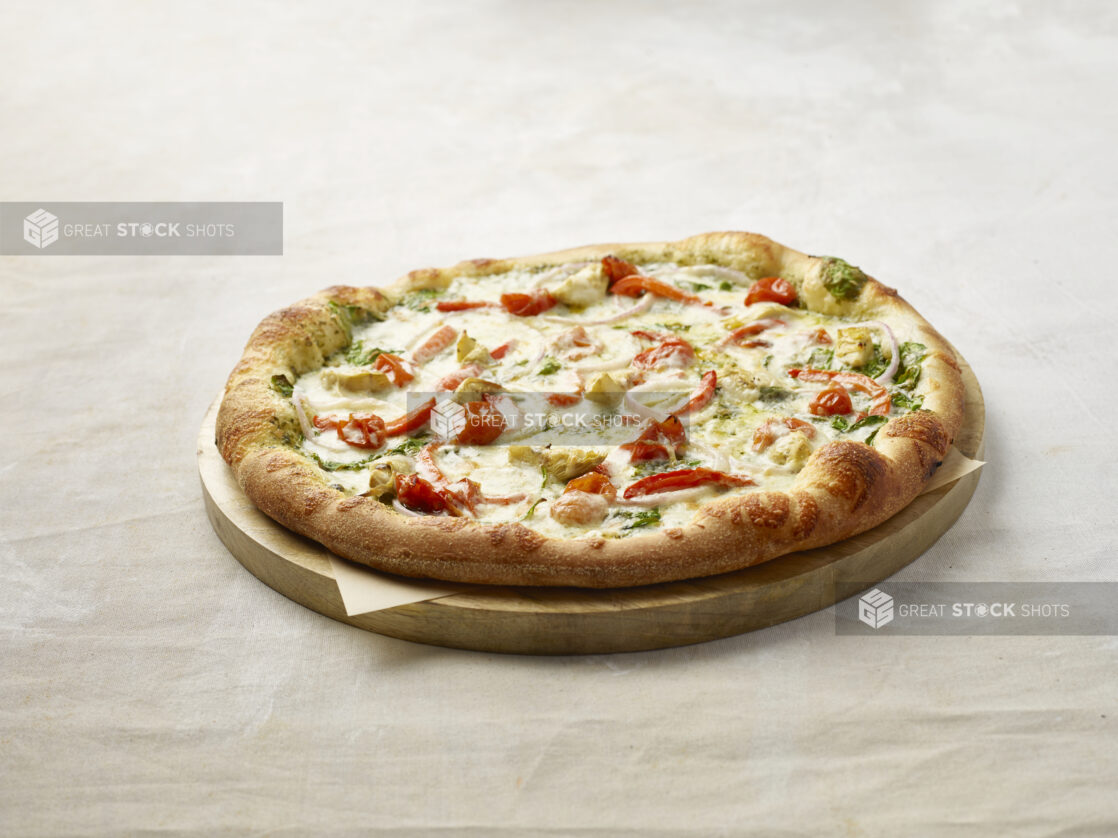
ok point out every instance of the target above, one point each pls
(644, 305)
(718, 460)
(895, 359)
(403, 510)
(643, 411)
(605, 366)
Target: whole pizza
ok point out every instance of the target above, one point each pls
(613, 415)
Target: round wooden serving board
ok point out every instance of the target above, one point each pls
(557, 621)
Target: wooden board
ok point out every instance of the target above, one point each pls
(574, 621)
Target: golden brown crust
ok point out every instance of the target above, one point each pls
(845, 487)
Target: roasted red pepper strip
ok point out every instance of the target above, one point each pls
(880, 401)
(463, 305)
(634, 286)
(450, 381)
(393, 366)
(686, 478)
(502, 350)
(772, 289)
(751, 329)
(412, 421)
(616, 269)
(435, 344)
(527, 305)
(659, 441)
(702, 394)
(767, 433)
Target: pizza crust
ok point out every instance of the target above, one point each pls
(845, 488)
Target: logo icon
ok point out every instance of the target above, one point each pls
(875, 609)
(448, 418)
(40, 228)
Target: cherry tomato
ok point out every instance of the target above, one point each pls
(616, 269)
(484, 423)
(832, 401)
(364, 430)
(593, 483)
(526, 305)
(674, 352)
(772, 289)
(417, 494)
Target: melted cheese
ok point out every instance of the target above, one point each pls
(546, 356)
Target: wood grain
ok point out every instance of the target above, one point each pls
(574, 621)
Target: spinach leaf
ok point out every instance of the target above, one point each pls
(906, 402)
(532, 509)
(725, 286)
(407, 447)
(908, 371)
(876, 365)
(842, 279)
(359, 356)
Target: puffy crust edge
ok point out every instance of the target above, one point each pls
(845, 488)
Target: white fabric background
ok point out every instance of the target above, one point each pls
(961, 151)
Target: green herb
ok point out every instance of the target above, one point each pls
(674, 327)
(725, 286)
(420, 300)
(840, 424)
(767, 360)
(908, 371)
(532, 509)
(906, 402)
(871, 437)
(821, 359)
(331, 465)
(550, 367)
(642, 518)
(774, 395)
(842, 279)
(659, 466)
(694, 286)
(282, 385)
(407, 447)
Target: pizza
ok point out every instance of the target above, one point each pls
(608, 416)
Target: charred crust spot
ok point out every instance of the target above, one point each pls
(350, 503)
(674, 533)
(314, 501)
(947, 359)
(808, 515)
(276, 462)
(527, 539)
(926, 428)
(849, 470)
(423, 275)
(482, 264)
(767, 509)
(596, 542)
